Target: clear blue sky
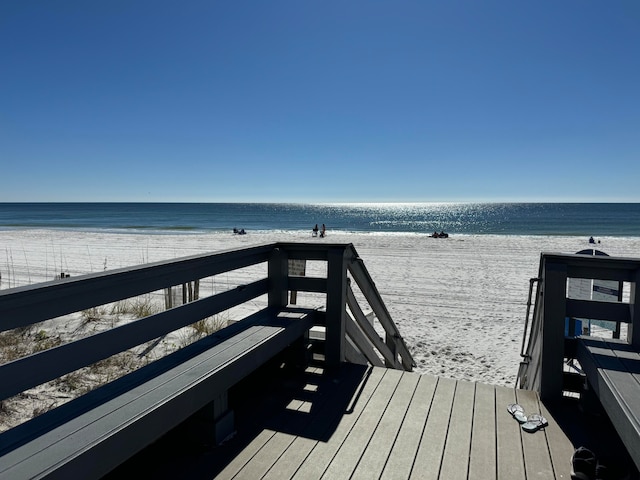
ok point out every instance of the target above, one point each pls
(320, 101)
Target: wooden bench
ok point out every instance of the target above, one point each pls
(612, 368)
(89, 436)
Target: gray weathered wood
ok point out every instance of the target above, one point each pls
(369, 290)
(28, 372)
(94, 442)
(375, 455)
(318, 460)
(336, 306)
(610, 311)
(510, 462)
(372, 336)
(327, 410)
(34, 303)
(360, 340)
(400, 462)
(613, 372)
(554, 287)
(634, 328)
(429, 455)
(350, 453)
(482, 461)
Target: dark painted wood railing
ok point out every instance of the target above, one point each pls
(542, 366)
(349, 333)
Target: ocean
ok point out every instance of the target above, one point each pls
(572, 219)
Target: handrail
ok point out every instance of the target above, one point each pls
(27, 305)
(393, 338)
(541, 368)
(526, 318)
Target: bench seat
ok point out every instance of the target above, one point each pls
(91, 435)
(612, 368)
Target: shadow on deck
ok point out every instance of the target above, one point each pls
(371, 422)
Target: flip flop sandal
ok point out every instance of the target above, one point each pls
(534, 423)
(517, 412)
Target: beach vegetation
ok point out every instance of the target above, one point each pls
(137, 307)
(209, 325)
(43, 341)
(93, 314)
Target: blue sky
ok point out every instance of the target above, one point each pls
(320, 101)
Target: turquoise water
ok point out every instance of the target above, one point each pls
(580, 219)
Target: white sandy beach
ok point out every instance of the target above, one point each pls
(460, 303)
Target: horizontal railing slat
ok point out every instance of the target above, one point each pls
(368, 329)
(34, 303)
(28, 372)
(594, 310)
(369, 290)
(308, 284)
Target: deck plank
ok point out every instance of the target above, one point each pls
(327, 410)
(275, 446)
(510, 461)
(323, 452)
(374, 457)
(372, 422)
(537, 459)
(429, 454)
(455, 461)
(400, 461)
(560, 447)
(483, 436)
(352, 450)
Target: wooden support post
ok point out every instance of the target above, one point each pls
(168, 298)
(393, 346)
(213, 423)
(633, 333)
(554, 310)
(278, 278)
(336, 307)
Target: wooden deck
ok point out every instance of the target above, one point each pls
(371, 422)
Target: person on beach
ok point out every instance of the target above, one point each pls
(315, 231)
(323, 231)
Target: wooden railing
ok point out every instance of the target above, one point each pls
(349, 332)
(542, 366)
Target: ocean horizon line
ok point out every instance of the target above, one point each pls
(602, 219)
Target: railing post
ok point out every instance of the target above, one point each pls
(278, 278)
(554, 284)
(336, 306)
(393, 346)
(633, 333)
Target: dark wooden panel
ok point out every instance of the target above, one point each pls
(34, 303)
(537, 459)
(613, 371)
(27, 372)
(611, 311)
(455, 461)
(92, 443)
